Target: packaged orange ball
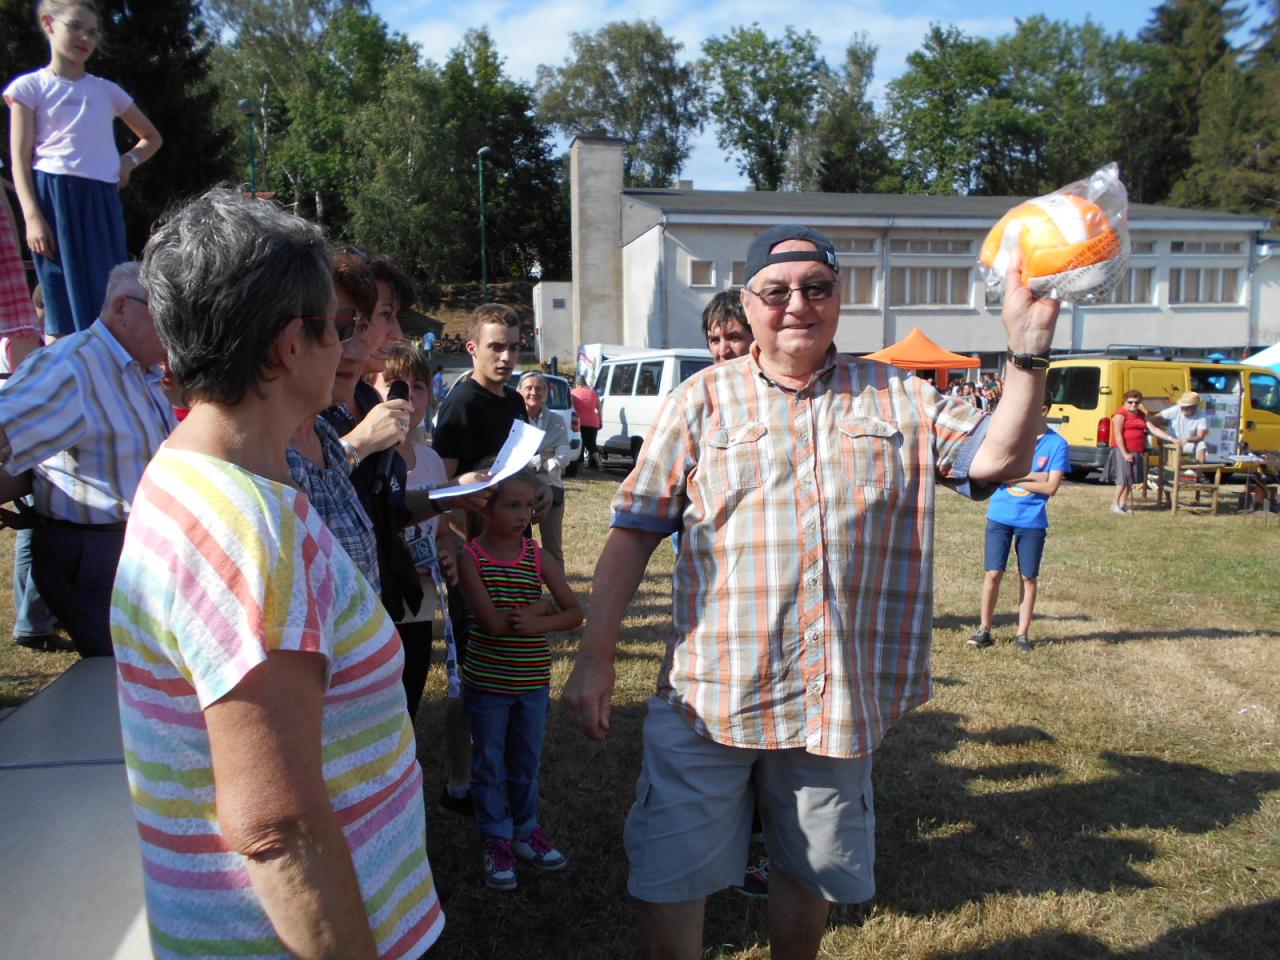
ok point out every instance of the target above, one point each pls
(1073, 243)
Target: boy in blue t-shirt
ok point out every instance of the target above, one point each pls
(1018, 515)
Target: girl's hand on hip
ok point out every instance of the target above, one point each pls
(126, 168)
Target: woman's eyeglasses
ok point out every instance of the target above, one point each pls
(778, 295)
(80, 30)
(346, 323)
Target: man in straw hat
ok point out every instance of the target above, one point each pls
(1189, 425)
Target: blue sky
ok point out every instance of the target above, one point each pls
(533, 32)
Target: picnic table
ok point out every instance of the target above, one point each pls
(1175, 476)
(72, 878)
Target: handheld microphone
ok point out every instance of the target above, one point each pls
(399, 390)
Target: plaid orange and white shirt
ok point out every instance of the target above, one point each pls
(802, 596)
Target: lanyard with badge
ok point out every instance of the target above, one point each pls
(426, 558)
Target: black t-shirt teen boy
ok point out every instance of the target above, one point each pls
(473, 423)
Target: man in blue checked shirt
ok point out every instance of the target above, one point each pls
(84, 416)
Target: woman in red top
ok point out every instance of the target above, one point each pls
(587, 405)
(1127, 464)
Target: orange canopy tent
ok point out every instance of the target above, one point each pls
(915, 351)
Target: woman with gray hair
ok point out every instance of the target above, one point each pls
(270, 756)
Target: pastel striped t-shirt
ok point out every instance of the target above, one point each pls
(509, 664)
(221, 566)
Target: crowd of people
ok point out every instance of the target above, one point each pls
(224, 468)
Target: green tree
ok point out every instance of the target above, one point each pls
(306, 66)
(624, 81)
(1235, 153)
(160, 54)
(417, 193)
(934, 112)
(762, 91)
(846, 150)
(1023, 114)
(1191, 39)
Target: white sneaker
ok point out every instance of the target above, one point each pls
(1120, 510)
(538, 849)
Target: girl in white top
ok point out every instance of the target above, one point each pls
(66, 168)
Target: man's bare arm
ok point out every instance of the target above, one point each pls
(618, 574)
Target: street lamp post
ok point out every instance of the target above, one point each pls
(247, 108)
(484, 255)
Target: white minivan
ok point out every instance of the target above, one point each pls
(632, 387)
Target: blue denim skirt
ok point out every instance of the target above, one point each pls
(86, 218)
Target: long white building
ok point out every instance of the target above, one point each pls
(646, 261)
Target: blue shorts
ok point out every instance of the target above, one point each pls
(1028, 541)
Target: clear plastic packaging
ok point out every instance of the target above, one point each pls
(1074, 242)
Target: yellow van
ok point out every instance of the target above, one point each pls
(1085, 390)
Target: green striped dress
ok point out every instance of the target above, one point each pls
(508, 664)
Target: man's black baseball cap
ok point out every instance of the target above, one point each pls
(760, 254)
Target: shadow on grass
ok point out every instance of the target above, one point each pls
(1252, 931)
(1129, 636)
(947, 835)
(946, 838)
(969, 621)
(586, 790)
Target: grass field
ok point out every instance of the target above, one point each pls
(1113, 794)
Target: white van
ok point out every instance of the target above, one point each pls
(633, 387)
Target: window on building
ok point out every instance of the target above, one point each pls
(854, 244)
(1203, 246)
(921, 246)
(858, 285)
(1135, 287)
(557, 303)
(649, 378)
(738, 275)
(909, 286)
(702, 273)
(1142, 246)
(624, 378)
(1204, 285)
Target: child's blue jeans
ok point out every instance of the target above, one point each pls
(506, 749)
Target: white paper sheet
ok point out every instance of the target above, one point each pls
(521, 445)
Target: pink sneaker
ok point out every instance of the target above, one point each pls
(538, 849)
(499, 864)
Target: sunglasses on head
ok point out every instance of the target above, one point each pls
(354, 252)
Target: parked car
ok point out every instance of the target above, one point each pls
(632, 388)
(558, 401)
(1086, 389)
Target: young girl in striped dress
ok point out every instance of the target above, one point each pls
(507, 676)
